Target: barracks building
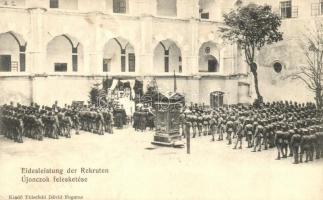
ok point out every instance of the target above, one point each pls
(57, 49)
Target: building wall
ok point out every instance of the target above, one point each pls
(94, 25)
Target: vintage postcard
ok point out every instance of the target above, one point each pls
(161, 99)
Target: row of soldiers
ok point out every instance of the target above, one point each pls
(36, 121)
(294, 129)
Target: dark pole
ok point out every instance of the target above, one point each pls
(188, 137)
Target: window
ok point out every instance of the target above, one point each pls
(317, 8)
(167, 8)
(106, 65)
(278, 67)
(166, 61)
(119, 6)
(286, 9)
(205, 16)
(132, 62)
(75, 62)
(60, 67)
(5, 63)
(53, 4)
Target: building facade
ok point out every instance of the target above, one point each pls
(57, 49)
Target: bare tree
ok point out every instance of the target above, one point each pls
(311, 73)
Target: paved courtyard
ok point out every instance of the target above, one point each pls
(139, 170)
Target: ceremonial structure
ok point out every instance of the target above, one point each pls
(57, 49)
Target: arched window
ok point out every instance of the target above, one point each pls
(167, 57)
(208, 54)
(119, 56)
(64, 54)
(12, 52)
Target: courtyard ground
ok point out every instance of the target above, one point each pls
(139, 170)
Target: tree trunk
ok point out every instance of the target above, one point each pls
(255, 76)
(318, 98)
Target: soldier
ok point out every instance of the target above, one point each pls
(254, 127)
(205, 125)
(200, 125)
(213, 127)
(182, 123)
(312, 143)
(194, 125)
(239, 133)
(279, 140)
(19, 129)
(229, 130)
(248, 131)
(220, 127)
(295, 143)
(76, 122)
(285, 137)
(291, 132)
(259, 132)
(305, 145)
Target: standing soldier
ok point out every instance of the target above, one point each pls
(182, 123)
(278, 140)
(194, 125)
(20, 129)
(200, 125)
(205, 125)
(212, 127)
(304, 145)
(220, 127)
(295, 143)
(229, 130)
(248, 131)
(239, 133)
(259, 132)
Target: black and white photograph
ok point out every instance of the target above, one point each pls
(161, 99)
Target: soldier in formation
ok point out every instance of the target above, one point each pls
(37, 122)
(294, 129)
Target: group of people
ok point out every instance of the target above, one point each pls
(143, 118)
(37, 122)
(294, 129)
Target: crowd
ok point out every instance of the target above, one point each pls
(294, 129)
(36, 121)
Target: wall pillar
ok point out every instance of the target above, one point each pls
(146, 52)
(36, 47)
